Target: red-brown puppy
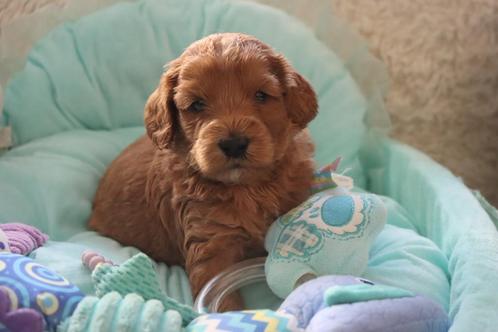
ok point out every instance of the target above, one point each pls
(226, 153)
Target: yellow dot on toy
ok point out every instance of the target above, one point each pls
(48, 303)
(2, 265)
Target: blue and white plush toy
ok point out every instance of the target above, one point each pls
(330, 233)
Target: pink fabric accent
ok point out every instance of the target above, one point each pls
(22, 238)
(91, 259)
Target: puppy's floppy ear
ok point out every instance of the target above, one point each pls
(299, 96)
(161, 114)
(300, 100)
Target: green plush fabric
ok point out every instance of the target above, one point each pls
(49, 183)
(96, 73)
(402, 258)
(447, 213)
(65, 258)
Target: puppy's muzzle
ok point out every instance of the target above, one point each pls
(235, 146)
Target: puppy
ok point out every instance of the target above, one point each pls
(226, 153)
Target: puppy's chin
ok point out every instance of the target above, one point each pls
(241, 175)
(231, 176)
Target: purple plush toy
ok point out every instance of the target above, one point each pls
(19, 320)
(348, 304)
(20, 238)
(32, 297)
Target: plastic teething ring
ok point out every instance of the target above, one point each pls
(247, 272)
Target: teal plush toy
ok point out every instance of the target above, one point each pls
(136, 275)
(330, 233)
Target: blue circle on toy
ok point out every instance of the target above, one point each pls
(338, 210)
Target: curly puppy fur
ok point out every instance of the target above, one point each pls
(179, 194)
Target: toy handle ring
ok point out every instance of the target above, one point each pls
(247, 272)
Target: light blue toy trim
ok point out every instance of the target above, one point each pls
(362, 292)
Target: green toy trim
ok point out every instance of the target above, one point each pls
(360, 293)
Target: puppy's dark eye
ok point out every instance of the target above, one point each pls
(197, 106)
(261, 96)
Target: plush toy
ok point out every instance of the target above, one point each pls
(20, 238)
(18, 319)
(132, 313)
(330, 233)
(347, 303)
(117, 313)
(35, 299)
(132, 288)
(32, 297)
(330, 303)
(336, 304)
(136, 275)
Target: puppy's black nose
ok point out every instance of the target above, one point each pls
(234, 147)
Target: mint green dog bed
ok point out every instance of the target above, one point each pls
(79, 101)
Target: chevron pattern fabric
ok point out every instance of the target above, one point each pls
(245, 321)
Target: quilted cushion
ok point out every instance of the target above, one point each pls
(97, 72)
(79, 102)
